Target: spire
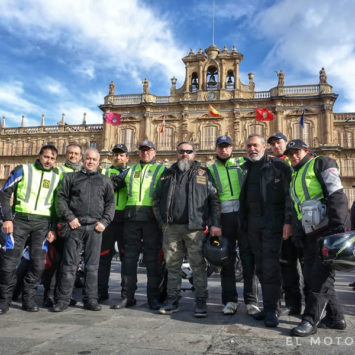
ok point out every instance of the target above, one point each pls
(84, 119)
(23, 121)
(3, 122)
(42, 120)
(62, 122)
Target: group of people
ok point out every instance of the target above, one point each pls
(277, 207)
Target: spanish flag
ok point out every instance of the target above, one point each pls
(213, 111)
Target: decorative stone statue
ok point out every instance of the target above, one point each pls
(281, 76)
(145, 83)
(322, 76)
(111, 88)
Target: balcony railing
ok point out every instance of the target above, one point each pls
(53, 129)
(344, 117)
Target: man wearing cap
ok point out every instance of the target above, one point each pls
(140, 231)
(289, 252)
(227, 177)
(265, 215)
(114, 232)
(321, 207)
(185, 202)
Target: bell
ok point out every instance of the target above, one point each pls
(194, 82)
(212, 81)
(229, 81)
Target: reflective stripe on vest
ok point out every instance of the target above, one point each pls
(65, 170)
(305, 186)
(141, 183)
(35, 192)
(121, 195)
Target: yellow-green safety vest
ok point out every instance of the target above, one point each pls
(121, 195)
(305, 186)
(63, 169)
(35, 191)
(228, 179)
(141, 183)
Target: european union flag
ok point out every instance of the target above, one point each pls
(302, 119)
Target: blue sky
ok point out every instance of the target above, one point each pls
(59, 56)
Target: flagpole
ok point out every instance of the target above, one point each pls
(213, 8)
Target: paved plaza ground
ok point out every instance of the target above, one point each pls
(139, 330)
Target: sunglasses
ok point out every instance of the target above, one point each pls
(187, 151)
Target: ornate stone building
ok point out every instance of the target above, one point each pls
(212, 77)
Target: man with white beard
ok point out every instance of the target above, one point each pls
(184, 203)
(265, 215)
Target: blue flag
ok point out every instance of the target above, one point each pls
(302, 119)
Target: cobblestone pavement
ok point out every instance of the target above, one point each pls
(139, 330)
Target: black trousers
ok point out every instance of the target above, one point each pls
(229, 223)
(320, 281)
(113, 233)
(147, 238)
(72, 247)
(290, 275)
(34, 228)
(260, 250)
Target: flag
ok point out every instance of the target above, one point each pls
(113, 118)
(263, 114)
(162, 125)
(302, 119)
(213, 111)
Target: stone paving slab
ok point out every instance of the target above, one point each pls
(139, 330)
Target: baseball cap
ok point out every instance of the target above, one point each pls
(146, 143)
(119, 148)
(223, 140)
(296, 144)
(277, 135)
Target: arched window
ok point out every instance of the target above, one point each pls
(127, 138)
(194, 82)
(212, 78)
(209, 136)
(230, 80)
(166, 139)
(257, 129)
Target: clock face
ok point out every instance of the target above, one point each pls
(211, 96)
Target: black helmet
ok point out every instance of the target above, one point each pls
(215, 250)
(338, 251)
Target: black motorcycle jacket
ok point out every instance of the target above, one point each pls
(87, 196)
(202, 197)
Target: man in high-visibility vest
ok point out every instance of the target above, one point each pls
(228, 177)
(140, 231)
(318, 197)
(72, 163)
(32, 218)
(114, 232)
(290, 254)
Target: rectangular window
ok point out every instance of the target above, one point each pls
(6, 171)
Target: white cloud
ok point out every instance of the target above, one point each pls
(306, 36)
(116, 34)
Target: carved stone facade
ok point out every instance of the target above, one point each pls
(212, 77)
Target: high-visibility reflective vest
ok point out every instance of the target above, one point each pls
(305, 186)
(121, 195)
(228, 179)
(63, 169)
(141, 183)
(35, 192)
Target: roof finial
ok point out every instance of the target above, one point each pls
(23, 121)
(84, 119)
(42, 120)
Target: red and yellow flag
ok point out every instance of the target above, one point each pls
(263, 114)
(213, 111)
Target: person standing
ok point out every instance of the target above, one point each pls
(31, 218)
(318, 195)
(185, 202)
(54, 255)
(265, 214)
(290, 254)
(114, 232)
(85, 201)
(228, 177)
(140, 231)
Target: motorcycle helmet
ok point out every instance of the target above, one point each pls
(215, 250)
(338, 251)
